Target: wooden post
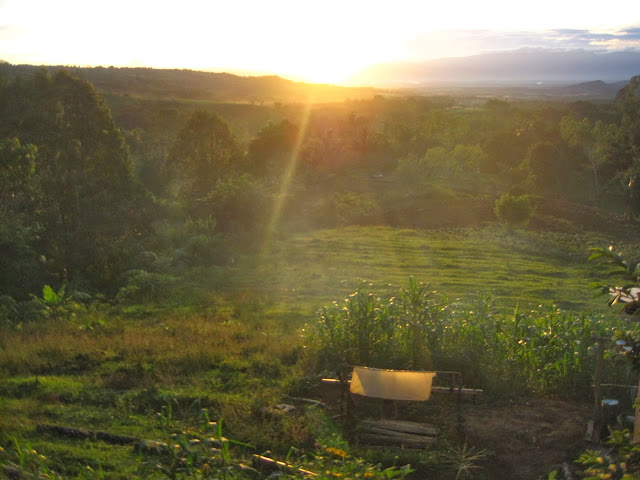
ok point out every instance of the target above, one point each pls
(460, 417)
(595, 424)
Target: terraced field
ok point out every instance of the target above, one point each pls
(307, 271)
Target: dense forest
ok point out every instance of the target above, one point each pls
(135, 208)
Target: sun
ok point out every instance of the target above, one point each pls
(314, 58)
(330, 71)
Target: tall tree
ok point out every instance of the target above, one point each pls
(94, 207)
(273, 145)
(546, 167)
(628, 103)
(204, 152)
(205, 165)
(595, 141)
(21, 268)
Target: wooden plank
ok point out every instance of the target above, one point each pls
(395, 441)
(394, 433)
(402, 426)
(455, 390)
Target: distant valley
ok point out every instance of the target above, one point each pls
(543, 70)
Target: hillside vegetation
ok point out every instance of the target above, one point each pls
(175, 267)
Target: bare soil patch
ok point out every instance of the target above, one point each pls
(527, 439)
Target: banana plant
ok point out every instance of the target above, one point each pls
(627, 272)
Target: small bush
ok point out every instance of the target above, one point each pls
(143, 286)
(347, 208)
(514, 210)
(8, 310)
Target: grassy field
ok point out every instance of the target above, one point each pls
(233, 348)
(308, 271)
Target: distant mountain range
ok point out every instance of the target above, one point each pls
(198, 85)
(523, 67)
(524, 73)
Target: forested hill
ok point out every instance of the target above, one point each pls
(197, 85)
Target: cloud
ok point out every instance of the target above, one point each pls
(628, 38)
(632, 33)
(470, 42)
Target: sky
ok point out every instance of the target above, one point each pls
(311, 40)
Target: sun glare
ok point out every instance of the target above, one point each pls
(334, 72)
(312, 42)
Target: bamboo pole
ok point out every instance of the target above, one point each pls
(261, 461)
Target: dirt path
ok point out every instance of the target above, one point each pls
(527, 439)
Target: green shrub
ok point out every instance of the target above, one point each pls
(143, 286)
(347, 208)
(514, 209)
(8, 310)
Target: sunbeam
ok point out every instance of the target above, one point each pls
(287, 176)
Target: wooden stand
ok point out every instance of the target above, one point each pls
(397, 432)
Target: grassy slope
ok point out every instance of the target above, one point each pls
(310, 270)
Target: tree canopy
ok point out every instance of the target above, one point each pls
(93, 209)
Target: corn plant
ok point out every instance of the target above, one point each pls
(359, 331)
(544, 350)
(419, 313)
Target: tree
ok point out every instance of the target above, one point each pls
(94, 210)
(595, 141)
(204, 153)
(546, 167)
(273, 146)
(468, 159)
(628, 103)
(206, 176)
(505, 150)
(21, 270)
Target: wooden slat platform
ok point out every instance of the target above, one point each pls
(396, 433)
